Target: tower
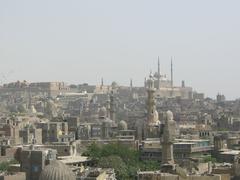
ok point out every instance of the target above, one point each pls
(131, 84)
(168, 140)
(171, 93)
(171, 73)
(112, 107)
(145, 82)
(151, 103)
(159, 74)
(102, 82)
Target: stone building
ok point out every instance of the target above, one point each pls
(33, 161)
(11, 131)
(56, 130)
(165, 88)
(97, 174)
(73, 123)
(13, 176)
(50, 89)
(31, 135)
(158, 175)
(151, 149)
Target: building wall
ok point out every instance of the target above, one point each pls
(62, 150)
(18, 176)
(162, 176)
(7, 153)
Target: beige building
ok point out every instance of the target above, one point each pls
(165, 87)
(151, 175)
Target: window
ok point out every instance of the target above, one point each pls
(3, 151)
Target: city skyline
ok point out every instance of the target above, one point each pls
(81, 42)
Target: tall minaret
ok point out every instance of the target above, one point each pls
(151, 102)
(131, 84)
(159, 74)
(171, 73)
(168, 140)
(108, 107)
(145, 82)
(102, 82)
(112, 107)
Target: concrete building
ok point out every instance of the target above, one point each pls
(183, 149)
(34, 161)
(97, 174)
(56, 130)
(31, 135)
(11, 131)
(166, 176)
(13, 176)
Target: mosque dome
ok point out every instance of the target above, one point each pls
(103, 112)
(150, 81)
(122, 125)
(108, 122)
(33, 110)
(169, 115)
(57, 171)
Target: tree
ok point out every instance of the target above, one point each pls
(117, 164)
(4, 166)
(123, 159)
(209, 159)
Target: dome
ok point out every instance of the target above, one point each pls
(150, 81)
(169, 115)
(108, 122)
(122, 125)
(33, 110)
(57, 170)
(102, 112)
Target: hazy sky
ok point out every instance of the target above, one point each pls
(84, 40)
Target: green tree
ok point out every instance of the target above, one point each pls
(4, 166)
(117, 164)
(123, 159)
(209, 159)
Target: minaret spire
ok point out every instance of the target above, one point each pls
(171, 73)
(112, 106)
(131, 83)
(102, 82)
(159, 74)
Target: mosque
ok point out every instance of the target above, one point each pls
(165, 88)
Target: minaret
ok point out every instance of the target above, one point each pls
(159, 74)
(171, 73)
(108, 107)
(102, 82)
(167, 141)
(131, 84)
(112, 107)
(151, 103)
(171, 78)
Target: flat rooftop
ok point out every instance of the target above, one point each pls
(73, 159)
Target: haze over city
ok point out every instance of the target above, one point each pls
(119, 90)
(83, 41)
